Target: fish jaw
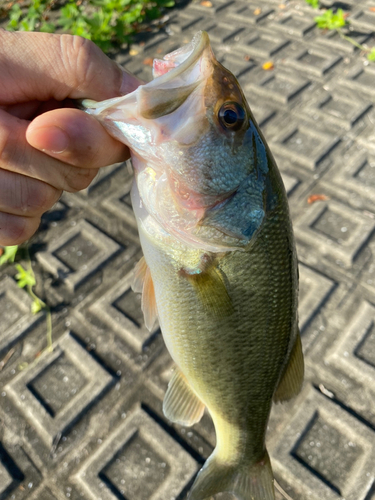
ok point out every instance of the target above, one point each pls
(143, 116)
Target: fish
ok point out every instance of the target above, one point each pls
(219, 270)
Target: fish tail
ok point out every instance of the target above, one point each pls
(244, 481)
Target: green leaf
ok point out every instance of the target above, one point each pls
(314, 3)
(371, 55)
(171, 3)
(47, 27)
(24, 277)
(36, 306)
(9, 254)
(331, 21)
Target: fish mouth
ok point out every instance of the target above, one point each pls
(176, 63)
(176, 76)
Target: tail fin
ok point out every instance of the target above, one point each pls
(245, 482)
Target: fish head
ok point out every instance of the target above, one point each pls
(200, 161)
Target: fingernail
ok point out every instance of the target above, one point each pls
(48, 139)
(129, 82)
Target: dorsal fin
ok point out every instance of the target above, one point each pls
(291, 381)
(142, 282)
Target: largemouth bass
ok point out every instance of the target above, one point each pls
(219, 268)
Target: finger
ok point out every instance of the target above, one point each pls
(25, 196)
(14, 229)
(17, 156)
(29, 110)
(45, 66)
(76, 138)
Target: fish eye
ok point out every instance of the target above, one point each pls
(232, 115)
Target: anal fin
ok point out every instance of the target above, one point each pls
(291, 381)
(181, 405)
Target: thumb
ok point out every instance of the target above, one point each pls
(76, 138)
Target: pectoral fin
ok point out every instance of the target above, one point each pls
(212, 291)
(291, 382)
(181, 404)
(139, 273)
(142, 282)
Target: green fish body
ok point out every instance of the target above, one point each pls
(220, 267)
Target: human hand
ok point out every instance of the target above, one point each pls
(62, 148)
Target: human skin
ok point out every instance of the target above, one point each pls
(47, 146)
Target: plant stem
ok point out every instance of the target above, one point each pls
(351, 40)
(40, 302)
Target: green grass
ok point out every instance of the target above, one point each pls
(336, 20)
(25, 278)
(108, 23)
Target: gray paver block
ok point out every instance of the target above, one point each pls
(16, 317)
(54, 392)
(18, 475)
(304, 144)
(339, 231)
(121, 311)
(279, 87)
(78, 253)
(325, 452)
(139, 459)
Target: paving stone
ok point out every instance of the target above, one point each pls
(264, 45)
(16, 317)
(332, 39)
(249, 12)
(279, 87)
(315, 288)
(58, 389)
(314, 61)
(353, 177)
(103, 175)
(78, 253)
(338, 109)
(294, 24)
(119, 204)
(46, 493)
(325, 452)
(217, 6)
(340, 231)
(355, 351)
(138, 459)
(241, 68)
(304, 144)
(121, 311)
(361, 78)
(364, 19)
(18, 475)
